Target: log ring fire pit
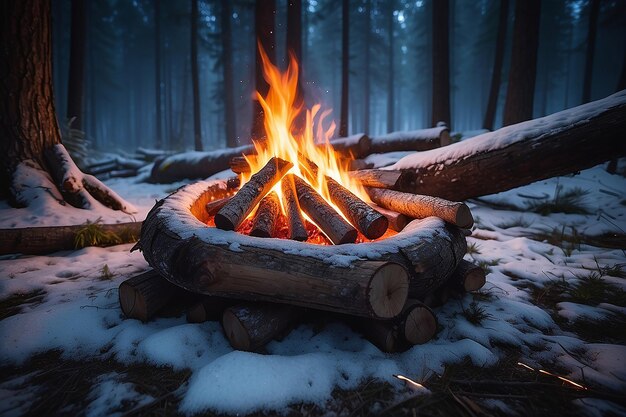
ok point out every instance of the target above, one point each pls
(371, 279)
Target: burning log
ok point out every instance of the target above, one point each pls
(368, 221)
(421, 206)
(295, 222)
(235, 211)
(144, 295)
(417, 140)
(250, 326)
(329, 221)
(208, 309)
(266, 215)
(239, 165)
(212, 207)
(417, 324)
(397, 221)
(380, 178)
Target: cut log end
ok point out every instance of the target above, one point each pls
(475, 279)
(389, 288)
(237, 333)
(464, 218)
(420, 325)
(132, 302)
(377, 227)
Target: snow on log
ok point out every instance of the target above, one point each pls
(237, 208)
(416, 140)
(42, 240)
(250, 326)
(558, 144)
(368, 280)
(368, 221)
(295, 221)
(325, 217)
(422, 206)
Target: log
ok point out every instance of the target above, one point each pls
(239, 165)
(397, 221)
(208, 309)
(416, 140)
(193, 165)
(468, 276)
(417, 324)
(204, 260)
(559, 144)
(354, 146)
(421, 206)
(250, 326)
(264, 222)
(325, 217)
(379, 178)
(368, 221)
(43, 240)
(212, 207)
(144, 295)
(295, 221)
(235, 211)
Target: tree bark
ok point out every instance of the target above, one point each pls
(266, 216)
(523, 72)
(197, 124)
(237, 208)
(390, 70)
(325, 217)
(77, 64)
(227, 74)
(264, 15)
(345, 66)
(212, 262)
(498, 59)
(43, 240)
(416, 140)
(594, 12)
(295, 221)
(368, 221)
(441, 63)
(559, 144)
(366, 67)
(422, 206)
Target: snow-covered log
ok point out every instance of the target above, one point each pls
(558, 144)
(415, 140)
(359, 279)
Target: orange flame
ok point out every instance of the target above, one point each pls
(313, 143)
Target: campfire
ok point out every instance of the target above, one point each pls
(297, 232)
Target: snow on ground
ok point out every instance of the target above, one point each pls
(73, 307)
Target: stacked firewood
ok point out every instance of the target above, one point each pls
(251, 325)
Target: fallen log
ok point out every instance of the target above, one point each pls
(250, 326)
(421, 206)
(516, 155)
(42, 240)
(264, 222)
(144, 295)
(176, 242)
(237, 208)
(325, 217)
(295, 221)
(416, 140)
(368, 221)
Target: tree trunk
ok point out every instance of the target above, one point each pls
(294, 46)
(592, 29)
(264, 14)
(523, 72)
(498, 59)
(197, 126)
(28, 124)
(390, 71)
(157, 76)
(441, 63)
(227, 67)
(366, 68)
(77, 64)
(345, 66)
(559, 144)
